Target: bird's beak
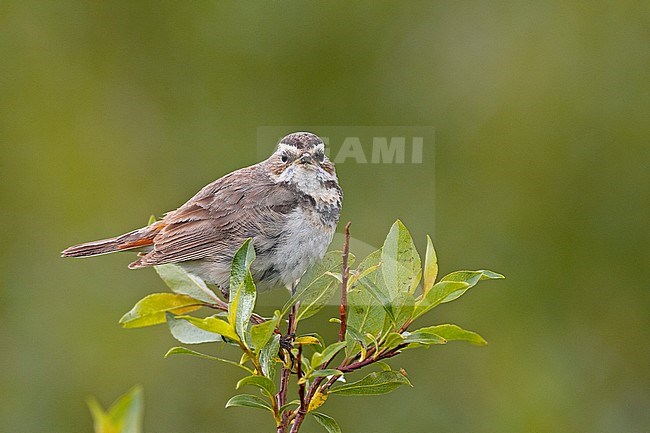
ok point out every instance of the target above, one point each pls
(305, 159)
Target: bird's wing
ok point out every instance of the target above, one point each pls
(217, 220)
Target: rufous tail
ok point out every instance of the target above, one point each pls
(129, 241)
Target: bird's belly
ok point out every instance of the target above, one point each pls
(302, 243)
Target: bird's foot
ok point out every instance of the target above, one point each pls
(286, 341)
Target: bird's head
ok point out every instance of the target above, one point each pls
(300, 159)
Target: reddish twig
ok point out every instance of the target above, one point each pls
(302, 409)
(286, 370)
(301, 386)
(282, 397)
(344, 282)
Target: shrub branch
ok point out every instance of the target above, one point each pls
(345, 274)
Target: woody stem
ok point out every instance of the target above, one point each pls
(345, 273)
(286, 370)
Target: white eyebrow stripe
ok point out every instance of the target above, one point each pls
(284, 147)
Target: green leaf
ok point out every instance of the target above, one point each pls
(372, 261)
(469, 277)
(383, 365)
(101, 421)
(364, 311)
(437, 294)
(261, 333)
(317, 400)
(338, 276)
(128, 411)
(404, 307)
(124, 416)
(185, 351)
(369, 265)
(375, 383)
(318, 296)
(242, 301)
(241, 263)
(454, 333)
(365, 316)
(245, 357)
(268, 355)
(288, 405)
(381, 295)
(317, 286)
(151, 309)
(326, 372)
(353, 335)
(424, 336)
(430, 266)
(306, 365)
(263, 383)
(392, 340)
(379, 291)
(307, 340)
(214, 325)
(401, 267)
(184, 283)
(245, 304)
(356, 275)
(319, 358)
(186, 333)
(327, 422)
(247, 400)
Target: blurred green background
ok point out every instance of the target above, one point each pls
(111, 111)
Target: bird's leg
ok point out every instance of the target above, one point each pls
(225, 292)
(286, 340)
(293, 287)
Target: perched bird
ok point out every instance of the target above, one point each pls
(289, 204)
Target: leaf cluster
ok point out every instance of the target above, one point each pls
(386, 292)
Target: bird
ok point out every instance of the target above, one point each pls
(288, 204)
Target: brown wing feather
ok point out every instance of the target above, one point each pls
(217, 220)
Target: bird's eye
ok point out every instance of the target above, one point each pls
(285, 158)
(319, 156)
